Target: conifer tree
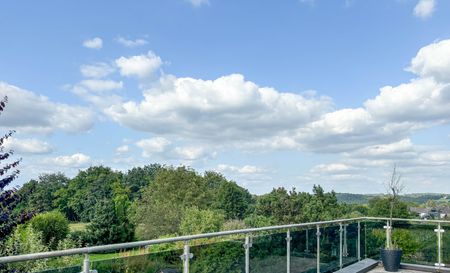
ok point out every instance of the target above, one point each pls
(8, 172)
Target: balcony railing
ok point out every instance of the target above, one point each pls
(307, 247)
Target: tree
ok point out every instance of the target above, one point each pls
(24, 240)
(8, 173)
(39, 195)
(282, 206)
(78, 199)
(160, 209)
(53, 226)
(138, 178)
(232, 199)
(196, 221)
(380, 207)
(322, 206)
(394, 187)
(106, 227)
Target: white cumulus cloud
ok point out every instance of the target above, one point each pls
(433, 61)
(101, 85)
(424, 8)
(97, 70)
(123, 149)
(246, 169)
(28, 146)
(131, 43)
(152, 146)
(191, 153)
(140, 66)
(94, 43)
(226, 109)
(28, 112)
(77, 160)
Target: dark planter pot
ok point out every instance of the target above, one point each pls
(391, 259)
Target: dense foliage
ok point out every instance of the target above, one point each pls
(8, 172)
(52, 226)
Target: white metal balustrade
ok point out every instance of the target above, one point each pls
(248, 233)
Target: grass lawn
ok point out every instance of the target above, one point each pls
(77, 226)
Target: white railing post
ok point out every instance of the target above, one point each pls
(358, 247)
(186, 257)
(340, 245)
(318, 249)
(247, 246)
(388, 228)
(439, 232)
(86, 264)
(307, 241)
(365, 239)
(288, 251)
(345, 252)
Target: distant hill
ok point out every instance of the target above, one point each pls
(419, 198)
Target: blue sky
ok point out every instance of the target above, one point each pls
(270, 93)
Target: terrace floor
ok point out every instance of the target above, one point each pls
(380, 269)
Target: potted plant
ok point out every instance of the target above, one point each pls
(391, 255)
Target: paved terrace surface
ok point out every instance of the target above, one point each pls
(380, 269)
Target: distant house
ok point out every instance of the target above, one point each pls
(430, 213)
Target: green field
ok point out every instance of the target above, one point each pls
(77, 226)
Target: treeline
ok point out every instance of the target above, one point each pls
(414, 199)
(158, 201)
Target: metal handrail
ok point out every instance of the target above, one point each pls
(112, 247)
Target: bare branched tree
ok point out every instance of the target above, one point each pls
(394, 188)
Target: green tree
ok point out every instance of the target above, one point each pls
(78, 199)
(160, 209)
(322, 206)
(232, 199)
(8, 173)
(39, 195)
(53, 227)
(282, 206)
(381, 206)
(106, 227)
(256, 221)
(24, 240)
(138, 178)
(196, 221)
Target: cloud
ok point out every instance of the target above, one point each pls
(131, 43)
(423, 99)
(424, 8)
(141, 66)
(97, 70)
(231, 111)
(332, 168)
(191, 153)
(228, 109)
(123, 149)
(246, 169)
(77, 160)
(152, 146)
(395, 150)
(28, 146)
(94, 43)
(198, 3)
(101, 85)
(28, 112)
(394, 114)
(433, 61)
